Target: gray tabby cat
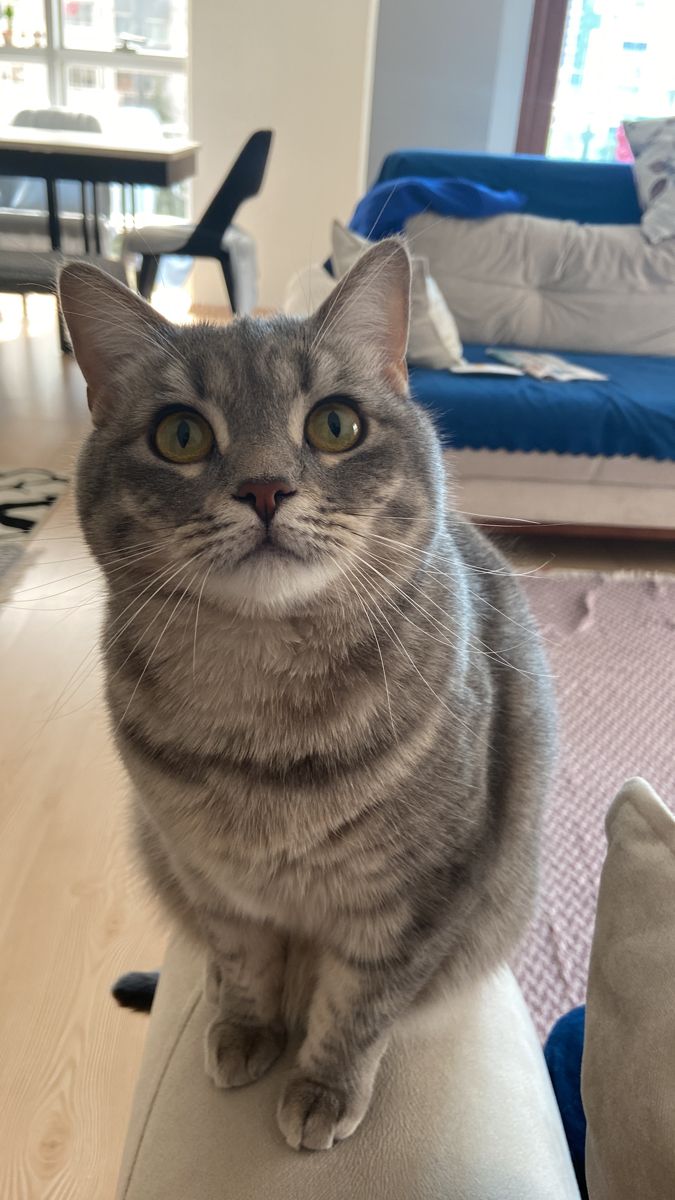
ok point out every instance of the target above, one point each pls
(324, 684)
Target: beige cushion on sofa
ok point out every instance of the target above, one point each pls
(530, 281)
(628, 1076)
(463, 1110)
(433, 340)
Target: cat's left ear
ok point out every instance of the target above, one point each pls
(110, 327)
(371, 307)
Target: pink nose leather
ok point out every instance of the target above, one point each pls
(264, 495)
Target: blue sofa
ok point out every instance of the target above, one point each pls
(633, 413)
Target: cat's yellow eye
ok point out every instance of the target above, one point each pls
(183, 437)
(333, 427)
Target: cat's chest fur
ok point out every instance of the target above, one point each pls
(241, 766)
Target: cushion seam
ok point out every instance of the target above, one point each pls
(552, 287)
(179, 1033)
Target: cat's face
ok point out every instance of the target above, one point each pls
(264, 461)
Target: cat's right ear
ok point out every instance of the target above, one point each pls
(110, 326)
(370, 306)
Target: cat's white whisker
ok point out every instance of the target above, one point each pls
(392, 604)
(505, 572)
(107, 644)
(199, 601)
(377, 643)
(456, 719)
(154, 617)
(155, 648)
(478, 642)
(94, 571)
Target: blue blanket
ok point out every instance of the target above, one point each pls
(632, 413)
(384, 210)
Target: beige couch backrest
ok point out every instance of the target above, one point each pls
(530, 281)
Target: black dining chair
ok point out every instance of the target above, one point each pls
(214, 235)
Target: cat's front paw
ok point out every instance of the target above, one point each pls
(314, 1115)
(239, 1054)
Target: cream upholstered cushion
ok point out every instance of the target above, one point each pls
(434, 340)
(628, 1075)
(463, 1110)
(307, 289)
(530, 281)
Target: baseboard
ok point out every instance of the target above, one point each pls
(561, 529)
(566, 495)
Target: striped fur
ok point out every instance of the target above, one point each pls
(339, 751)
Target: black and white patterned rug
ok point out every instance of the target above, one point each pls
(26, 495)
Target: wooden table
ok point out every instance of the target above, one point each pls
(53, 154)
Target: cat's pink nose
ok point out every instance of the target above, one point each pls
(264, 495)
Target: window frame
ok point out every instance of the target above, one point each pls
(547, 32)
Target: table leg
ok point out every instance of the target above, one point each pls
(85, 218)
(97, 231)
(54, 230)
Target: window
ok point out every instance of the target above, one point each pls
(136, 104)
(616, 64)
(22, 85)
(102, 57)
(144, 25)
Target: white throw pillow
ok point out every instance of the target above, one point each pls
(520, 280)
(653, 146)
(434, 339)
(307, 290)
(628, 1074)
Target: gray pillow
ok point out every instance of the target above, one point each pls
(653, 146)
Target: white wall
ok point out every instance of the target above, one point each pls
(507, 90)
(448, 74)
(304, 69)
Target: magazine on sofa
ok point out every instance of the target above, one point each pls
(545, 366)
(464, 367)
(527, 362)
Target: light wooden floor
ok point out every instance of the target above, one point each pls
(72, 917)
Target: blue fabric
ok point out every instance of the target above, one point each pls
(632, 413)
(597, 193)
(384, 210)
(563, 1052)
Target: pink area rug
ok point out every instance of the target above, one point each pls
(611, 646)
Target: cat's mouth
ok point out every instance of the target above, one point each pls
(269, 549)
(271, 574)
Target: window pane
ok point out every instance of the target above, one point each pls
(28, 26)
(616, 65)
(134, 105)
(145, 25)
(22, 85)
